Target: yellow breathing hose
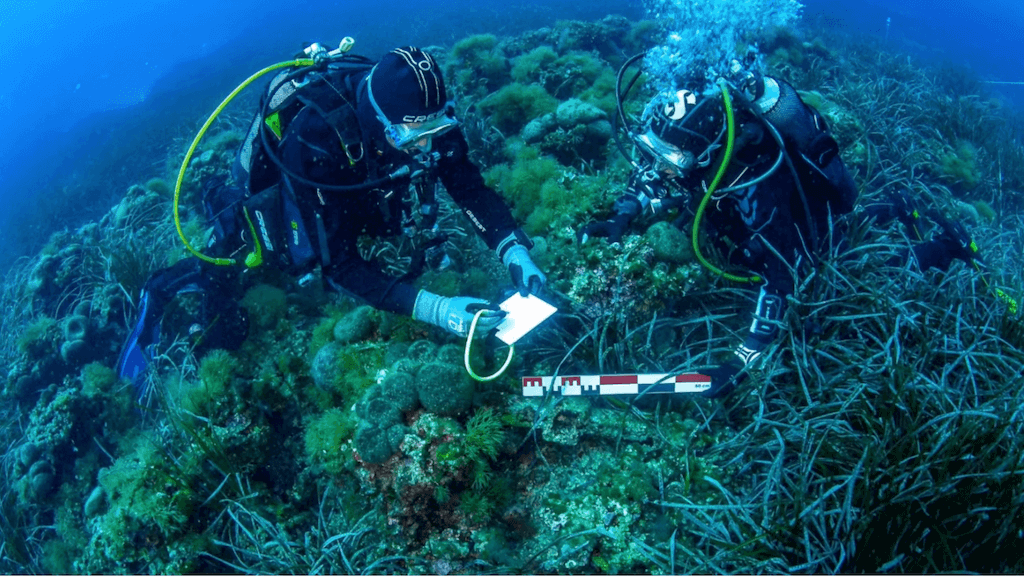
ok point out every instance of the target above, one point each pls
(469, 345)
(253, 258)
(1001, 295)
(730, 140)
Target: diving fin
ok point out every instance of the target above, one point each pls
(134, 360)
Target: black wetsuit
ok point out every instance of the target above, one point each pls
(310, 147)
(779, 224)
(753, 226)
(748, 223)
(331, 220)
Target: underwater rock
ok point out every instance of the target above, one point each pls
(39, 339)
(966, 211)
(540, 252)
(159, 186)
(75, 348)
(378, 411)
(40, 481)
(41, 279)
(74, 352)
(422, 350)
(514, 106)
(203, 159)
(393, 394)
(396, 351)
(407, 365)
(669, 243)
(444, 389)
(53, 417)
(324, 364)
(328, 439)
(959, 166)
(28, 454)
(396, 434)
(120, 212)
(136, 203)
(574, 112)
(376, 444)
(565, 425)
(96, 504)
(109, 303)
(76, 327)
(42, 367)
(576, 130)
(451, 354)
(267, 305)
(399, 390)
(355, 326)
(985, 212)
(603, 36)
(90, 232)
(477, 64)
(599, 130)
(539, 127)
(98, 380)
(21, 386)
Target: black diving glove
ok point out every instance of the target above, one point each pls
(904, 211)
(611, 229)
(725, 378)
(624, 209)
(733, 372)
(955, 239)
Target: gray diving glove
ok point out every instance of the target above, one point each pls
(455, 314)
(514, 252)
(527, 277)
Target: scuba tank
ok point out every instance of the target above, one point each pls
(259, 227)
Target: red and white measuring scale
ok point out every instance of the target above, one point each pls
(597, 385)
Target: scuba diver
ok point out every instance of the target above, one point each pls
(769, 191)
(340, 147)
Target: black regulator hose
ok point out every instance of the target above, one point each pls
(619, 97)
(399, 174)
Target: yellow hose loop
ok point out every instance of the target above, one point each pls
(1003, 296)
(730, 140)
(469, 345)
(199, 137)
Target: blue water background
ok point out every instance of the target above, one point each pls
(89, 83)
(99, 83)
(985, 35)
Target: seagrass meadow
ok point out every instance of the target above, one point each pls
(881, 434)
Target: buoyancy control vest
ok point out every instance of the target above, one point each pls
(292, 242)
(267, 196)
(262, 208)
(329, 91)
(812, 148)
